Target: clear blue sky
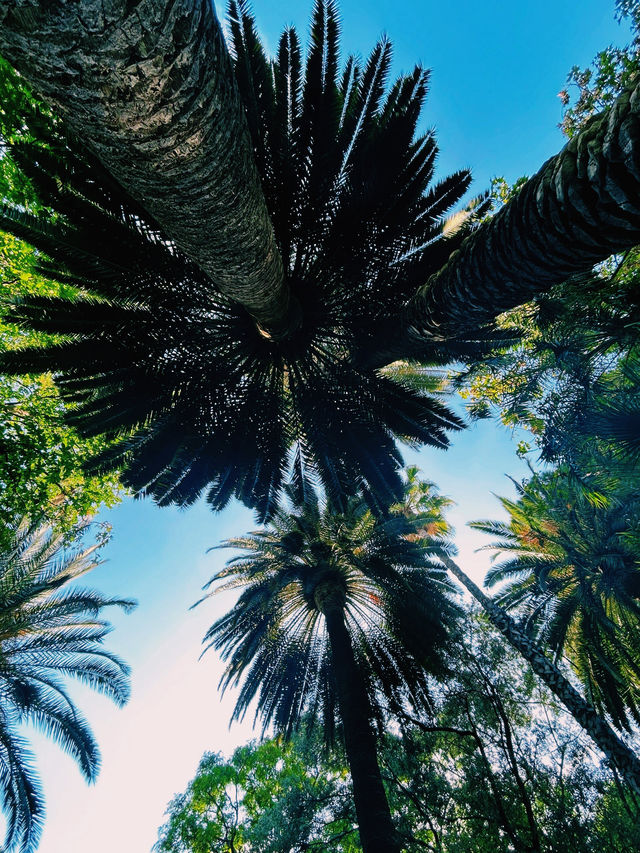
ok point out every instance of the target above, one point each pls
(497, 69)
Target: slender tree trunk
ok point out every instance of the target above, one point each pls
(620, 756)
(148, 86)
(377, 833)
(582, 206)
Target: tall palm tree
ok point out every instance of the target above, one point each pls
(571, 569)
(138, 95)
(48, 632)
(150, 89)
(154, 354)
(337, 612)
(423, 507)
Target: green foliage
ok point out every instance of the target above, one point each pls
(41, 457)
(572, 572)
(196, 397)
(612, 70)
(49, 632)
(273, 796)
(498, 767)
(395, 599)
(572, 371)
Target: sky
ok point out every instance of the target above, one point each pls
(496, 70)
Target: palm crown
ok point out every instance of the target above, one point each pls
(571, 567)
(396, 605)
(195, 395)
(339, 612)
(48, 633)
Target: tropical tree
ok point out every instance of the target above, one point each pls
(422, 506)
(153, 354)
(49, 631)
(164, 115)
(571, 571)
(152, 64)
(495, 765)
(338, 612)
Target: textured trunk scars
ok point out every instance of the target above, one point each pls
(149, 87)
(582, 206)
(620, 756)
(377, 833)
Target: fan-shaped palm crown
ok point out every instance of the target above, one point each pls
(395, 604)
(572, 566)
(338, 613)
(196, 395)
(47, 633)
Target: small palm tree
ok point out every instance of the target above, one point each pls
(195, 393)
(572, 570)
(48, 632)
(339, 612)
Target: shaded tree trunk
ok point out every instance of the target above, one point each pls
(582, 206)
(377, 833)
(149, 88)
(620, 756)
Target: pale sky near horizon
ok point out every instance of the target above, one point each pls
(497, 69)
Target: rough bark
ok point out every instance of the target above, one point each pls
(582, 206)
(148, 85)
(618, 753)
(377, 833)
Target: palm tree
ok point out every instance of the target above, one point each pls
(571, 569)
(48, 632)
(423, 507)
(196, 394)
(337, 611)
(137, 96)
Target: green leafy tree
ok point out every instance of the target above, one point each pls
(572, 375)
(422, 505)
(41, 457)
(612, 71)
(337, 611)
(499, 766)
(49, 631)
(277, 796)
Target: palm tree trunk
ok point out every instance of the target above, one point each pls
(149, 87)
(377, 833)
(582, 206)
(620, 756)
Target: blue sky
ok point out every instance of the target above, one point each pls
(497, 69)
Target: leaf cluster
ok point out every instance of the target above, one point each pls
(395, 598)
(191, 395)
(49, 632)
(571, 570)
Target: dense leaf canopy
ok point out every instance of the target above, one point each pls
(571, 566)
(195, 395)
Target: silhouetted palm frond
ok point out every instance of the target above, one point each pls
(49, 632)
(196, 397)
(397, 609)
